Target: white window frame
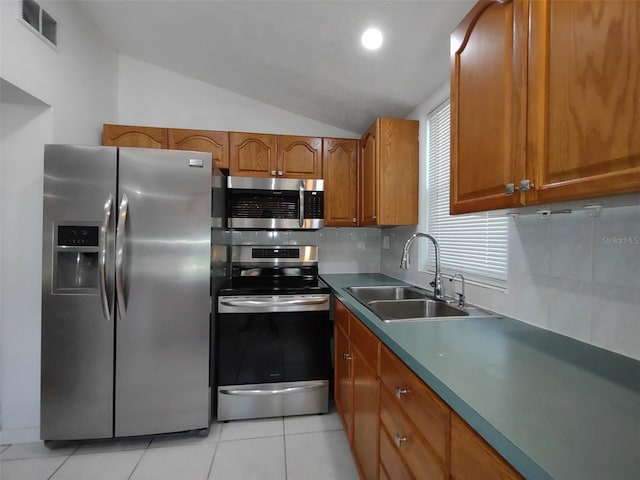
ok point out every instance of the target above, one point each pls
(491, 228)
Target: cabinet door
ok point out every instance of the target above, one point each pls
(472, 458)
(340, 167)
(132, 136)
(366, 407)
(368, 177)
(216, 143)
(488, 116)
(252, 154)
(397, 172)
(342, 385)
(584, 91)
(299, 157)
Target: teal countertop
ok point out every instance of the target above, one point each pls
(553, 407)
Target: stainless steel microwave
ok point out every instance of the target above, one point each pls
(255, 203)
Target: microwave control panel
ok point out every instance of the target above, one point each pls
(313, 204)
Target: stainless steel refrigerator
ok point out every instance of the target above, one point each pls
(125, 292)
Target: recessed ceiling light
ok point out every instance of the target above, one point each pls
(372, 39)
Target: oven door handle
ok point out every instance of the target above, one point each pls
(278, 391)
(274, 303)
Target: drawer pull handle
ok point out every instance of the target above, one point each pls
(346, 357)
(400, 440)
(400, 392)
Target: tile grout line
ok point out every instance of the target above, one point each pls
(65, 461)
(139, 460)
(213, 457)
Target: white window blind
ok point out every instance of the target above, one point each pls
(475, 245)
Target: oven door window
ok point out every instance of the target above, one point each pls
(272, 347)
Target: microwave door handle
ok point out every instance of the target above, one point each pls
(301, 190)
(102, 263)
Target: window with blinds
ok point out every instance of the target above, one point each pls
(474, 245)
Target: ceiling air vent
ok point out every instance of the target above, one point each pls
(40, 20)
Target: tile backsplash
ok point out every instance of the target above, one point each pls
(570, 273)
(341, 250)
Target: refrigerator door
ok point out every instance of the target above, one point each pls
(77, 292)
(162, 269)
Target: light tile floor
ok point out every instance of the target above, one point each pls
(291, 448)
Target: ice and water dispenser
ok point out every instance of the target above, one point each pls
(76, 252)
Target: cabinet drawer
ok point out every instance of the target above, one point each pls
(341, 316)
(365, 341)
(429, 413)
(420, 458)
(391, 463)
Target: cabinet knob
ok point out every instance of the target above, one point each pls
(373, 217)
(525, 185)
(400, 392)
(400, 439)
(346, 357)
(273, 173)
(354, 220)
(509, 188)
(280, 172)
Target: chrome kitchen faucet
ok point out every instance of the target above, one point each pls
(404, 262)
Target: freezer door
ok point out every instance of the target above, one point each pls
(162, 276)
(77, 292)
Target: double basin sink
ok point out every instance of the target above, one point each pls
(406, 303)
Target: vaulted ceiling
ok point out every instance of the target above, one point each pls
(303, 56)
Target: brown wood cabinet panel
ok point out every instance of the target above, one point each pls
(418, 455)
(430, 414)
(383, 473)
(368, 177)
(391, 464)
(252, 154)
(365, 341)
(343, 394)
(340, 172)
(341, 315)
(398, 176)
(299, 157)
(134, 136)
(366, 411)
(473, 459)
(488, 124)
(584, 99)
(389, 173)
(216, 143)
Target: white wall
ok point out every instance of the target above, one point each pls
(47, 95)
(153, 96)
(570, 273)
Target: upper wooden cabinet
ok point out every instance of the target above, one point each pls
(488, 54)
(216, 143)
(263, 155)
(252, 154)
(133, 136)
(583, 99)
(544, 103)
(299, 157)
(340, 173)
(389, 173)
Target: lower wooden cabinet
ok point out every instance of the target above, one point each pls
(472, 458)
(398, 428)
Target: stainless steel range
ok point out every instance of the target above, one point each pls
(273, 334)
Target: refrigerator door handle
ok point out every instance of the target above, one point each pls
(120, 246)
(102, 263)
